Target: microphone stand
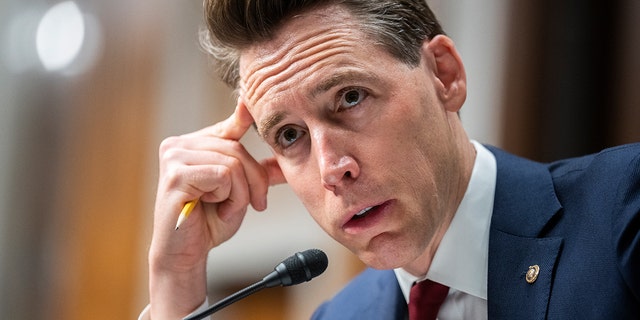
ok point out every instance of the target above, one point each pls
(230, 299)
(300, 267)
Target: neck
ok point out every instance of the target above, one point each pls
(466, 155)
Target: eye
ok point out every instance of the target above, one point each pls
(351, 97)
(288, 135)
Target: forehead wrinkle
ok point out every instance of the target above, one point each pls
(265, 72)
(334, 18)
(262, 67)
(272, 119)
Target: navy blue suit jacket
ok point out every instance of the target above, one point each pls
(577, 219)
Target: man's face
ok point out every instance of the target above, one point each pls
(362, 138)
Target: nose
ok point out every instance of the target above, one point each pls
(337, 165)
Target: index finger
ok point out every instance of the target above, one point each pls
(234, 127)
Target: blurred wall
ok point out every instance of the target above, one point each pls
(479, 30)
(571, 77)
(77, 85)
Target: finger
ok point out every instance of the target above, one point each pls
(274, 173)
(224, 185)
(207, 151)
(198, 150)
(223, 226)
(239, 193)
(211, 183)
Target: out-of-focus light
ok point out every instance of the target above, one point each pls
(60, 35)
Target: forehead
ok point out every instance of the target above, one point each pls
(299, 28)
(306, 41)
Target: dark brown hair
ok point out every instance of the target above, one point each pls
(399, 26)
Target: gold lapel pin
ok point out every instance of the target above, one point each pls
(532, 273)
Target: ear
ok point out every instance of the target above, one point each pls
(451, 80)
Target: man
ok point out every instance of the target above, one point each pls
(358, 101)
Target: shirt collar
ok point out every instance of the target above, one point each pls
(461, 260)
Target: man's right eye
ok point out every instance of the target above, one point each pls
(288, 135)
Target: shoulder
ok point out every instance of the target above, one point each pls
(618, 160)
(607, 179)
(602, 192)
(604, 173)
(374, 294)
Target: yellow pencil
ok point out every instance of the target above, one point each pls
(186, 211)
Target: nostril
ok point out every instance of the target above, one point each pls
(347, 174)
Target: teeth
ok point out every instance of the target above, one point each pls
(363, 211)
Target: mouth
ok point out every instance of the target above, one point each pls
(363, 213)
(366, 218)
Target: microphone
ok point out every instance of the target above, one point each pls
(298, 268)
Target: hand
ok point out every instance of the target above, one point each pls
(212, 165)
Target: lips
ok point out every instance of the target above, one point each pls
(366, 219)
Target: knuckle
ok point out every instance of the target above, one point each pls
(168, 144)
(234, 164)
(220, 187)
(236, 147)
(223, 175)
(168, 155)
(172, 176)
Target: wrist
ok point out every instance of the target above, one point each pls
(176, 292)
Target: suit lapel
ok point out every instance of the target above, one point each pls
(390, 302)
(374, 294)
(525, 203)
(510, 295)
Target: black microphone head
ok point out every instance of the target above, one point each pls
(302, 266)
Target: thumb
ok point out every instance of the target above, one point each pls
(234, 127)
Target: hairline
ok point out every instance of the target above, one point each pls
(229, 69)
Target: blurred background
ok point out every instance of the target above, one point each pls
(89, 88)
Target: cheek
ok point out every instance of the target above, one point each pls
(307, 188)
(312, 195)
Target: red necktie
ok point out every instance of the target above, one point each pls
(425, 300)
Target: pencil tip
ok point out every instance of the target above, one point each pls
(179, 222)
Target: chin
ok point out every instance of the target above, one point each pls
(385, 255)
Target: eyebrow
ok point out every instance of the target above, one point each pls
(267, 124)
(342, 77)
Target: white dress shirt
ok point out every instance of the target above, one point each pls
(462, 258)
